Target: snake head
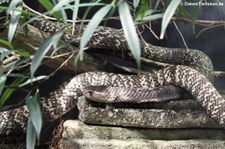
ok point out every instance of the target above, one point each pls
(96, 93)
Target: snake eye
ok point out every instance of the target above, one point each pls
(90, 93)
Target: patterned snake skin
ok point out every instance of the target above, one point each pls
(109, 94)
(110, 38)
(62, 100)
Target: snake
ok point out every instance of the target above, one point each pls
(192, 71)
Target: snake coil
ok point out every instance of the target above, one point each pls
(188, 77)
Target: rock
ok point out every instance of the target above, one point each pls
(81, 136)
(142, 144)
(169, 125)
(176, 114)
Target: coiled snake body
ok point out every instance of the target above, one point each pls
(64, 99)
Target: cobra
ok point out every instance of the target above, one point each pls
(192, 78)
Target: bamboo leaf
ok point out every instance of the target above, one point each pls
(150, 17)
(60, 5)
(64, 16)
(153, 17)
(55, 38)
(168, 15)
(140, 16)
(144, 6)
(6, 94)
(75, 12)
(42, 51)
(92, 25)
(23, 53)
(31, 135)
(4, 52)
(130, 32)
(2, 83)
(136, 3)
(35, 112)
(29, 81)
(14, 20)
(12, 6)
(6, 43)
(85, 5)
(47, 4)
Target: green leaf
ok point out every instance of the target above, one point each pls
(89, 5)
(153, 17)
(2, 83)
(140, 16)
(33, 106)
(194, 15)
(47, 4)
(55, 38)
(13, 5)
(64, 16)
(75, 12)
(6, 43)
(29, 81)
(144, 6)
(4, 50)
(92, 25)
(182, 11)
(157, 4)
(42, 51)
(85, 5)
(23, 53)
(31, 134)
(60, 5)
(150, 17)
(130, 32)
(14, 20)
(3, 53)
(135, 3)
(10, 90)
(168, 15)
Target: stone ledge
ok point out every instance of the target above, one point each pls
(78, 135)
(142, 144)
(79, 130)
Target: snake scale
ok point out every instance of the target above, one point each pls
(188, 77)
